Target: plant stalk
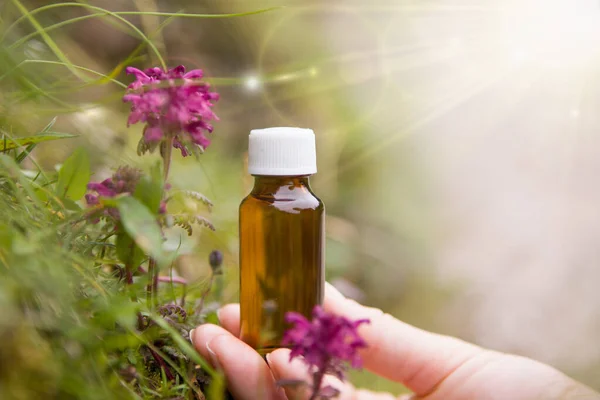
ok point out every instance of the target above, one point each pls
(167, 154)
(206, 292)
(317, 382)
(150, 286)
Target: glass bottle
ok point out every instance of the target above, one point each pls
(281, 236)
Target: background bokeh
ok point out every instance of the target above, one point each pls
(457, 147)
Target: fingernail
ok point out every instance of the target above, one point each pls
(273, 370)
(332, 292)
(219, 315)
(191, 335)
(213, 356)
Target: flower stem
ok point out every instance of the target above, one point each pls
(150, 286)
(128, 275)
(317, 381)
(206, 292)
(167, 151)
(159, 360)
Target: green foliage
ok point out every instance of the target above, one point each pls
(187, 221)
(141, 225)
(149, 191)
(7, 143)
(127, 250)
(199, 197)
(69, 323)
(74, 176)
(72, 279)
(50, 298)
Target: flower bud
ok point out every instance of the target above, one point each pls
(215, 260)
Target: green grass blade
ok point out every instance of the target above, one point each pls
(51, 44)
(49, 125)
(23, 155)
(50, 28)
(55, 48)
(130, 59)
(91, 71)
(185, 347)
(117, 15)
(13, 143)
(160, 14)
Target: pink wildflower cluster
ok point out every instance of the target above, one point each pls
(123, 181)
(326, 343)
(172, 104)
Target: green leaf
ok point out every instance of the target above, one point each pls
(216, 390)
(49, 125)
(212, 318)
(71, 205)
(6, 235)
(121, 341)
(23, 155)
(8, 144)
(127, 251)
(41, 194)
(142, 227)
(74, 176)
(149, 192)
(22, 245)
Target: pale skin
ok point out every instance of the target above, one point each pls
(433, 367)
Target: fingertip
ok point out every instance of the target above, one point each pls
(214, 358)
(332, 293)
(247, 375)
(229, 318)
(278, 357)
(284, 368)
(204, 334)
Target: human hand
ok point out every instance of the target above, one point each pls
(432, 366)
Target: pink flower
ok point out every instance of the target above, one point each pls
(123, 181)
(326, 343)
(172, 103)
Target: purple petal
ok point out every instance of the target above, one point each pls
(91, 199)
(177, 72)
(153, 133)
(178, 145)
(102, 188)
(138, 73)
(194, 74)
(135, 117)
(294, 317)
(155, 73)
(163, 208)
(132, 98)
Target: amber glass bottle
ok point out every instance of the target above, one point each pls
(281, 236)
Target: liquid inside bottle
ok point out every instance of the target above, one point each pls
(281, 257)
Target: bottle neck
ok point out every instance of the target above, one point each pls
(271, 185)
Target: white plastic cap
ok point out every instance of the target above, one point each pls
(282, 152)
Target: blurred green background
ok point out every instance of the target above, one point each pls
(457, 146)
